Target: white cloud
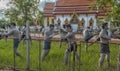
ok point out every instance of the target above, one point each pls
(3, 4)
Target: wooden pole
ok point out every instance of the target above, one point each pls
(39, 53)
(27, 47)
(80, 56)
(69, 59)
(14, 60)
(86, 46)
(73, 64)
(118, 63)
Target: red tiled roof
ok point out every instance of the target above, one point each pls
(69, 6)
(78, 12)
(48, 15)
(72, 8)
(48, 10)
(80, 6)
(79, 9)
(74, 2)
(49, 6)
(103, 12)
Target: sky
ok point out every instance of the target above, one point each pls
(42, 3)
(3, 4)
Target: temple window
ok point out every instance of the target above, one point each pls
(52, 20)
(58, 21)
(82, 22)
(66, 21)
(91, 22)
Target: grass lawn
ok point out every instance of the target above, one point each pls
(55, 59)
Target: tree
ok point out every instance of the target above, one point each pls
(20, 10)
(40, 18)
(3, 22)
(113, 13)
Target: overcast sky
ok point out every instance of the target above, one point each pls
(3, 5)
(4, 2)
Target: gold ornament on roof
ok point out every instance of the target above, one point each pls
(66, 21)
(74, 18)
(59, 21)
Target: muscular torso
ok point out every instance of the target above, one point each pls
(48, 35)
(104, 38)
(70, 37)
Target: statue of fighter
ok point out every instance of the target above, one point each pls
(48, 34)
(104, 45)
(72, 45)
(63, 33)
(87, 35)
(16, 37)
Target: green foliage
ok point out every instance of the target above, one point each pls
(21, 11)
(3, 22)
(40, 18)
(54, 61)
(113, 13)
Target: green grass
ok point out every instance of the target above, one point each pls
(55, 59)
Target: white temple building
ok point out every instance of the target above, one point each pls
(74, 12)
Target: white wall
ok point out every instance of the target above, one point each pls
(86, 17)
(81, 16)
(45, 21)
(62, 18)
